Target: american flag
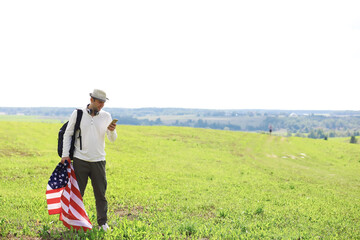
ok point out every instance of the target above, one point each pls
(64, 198)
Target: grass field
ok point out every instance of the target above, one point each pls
(182, 183)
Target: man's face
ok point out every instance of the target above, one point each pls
(97, 104)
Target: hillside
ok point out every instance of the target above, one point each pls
(302, 123)
(176, 182)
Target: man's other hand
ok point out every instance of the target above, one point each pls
(65, 159)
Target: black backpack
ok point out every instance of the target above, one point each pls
(62, 132)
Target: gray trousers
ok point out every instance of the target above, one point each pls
(96, 172)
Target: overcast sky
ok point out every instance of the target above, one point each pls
(191, 54)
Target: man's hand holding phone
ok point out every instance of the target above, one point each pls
(112, 125)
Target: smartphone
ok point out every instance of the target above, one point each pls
(113, 122)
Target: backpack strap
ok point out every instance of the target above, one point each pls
(77, 127)
(77, 124)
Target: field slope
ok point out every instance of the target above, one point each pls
(177, 183)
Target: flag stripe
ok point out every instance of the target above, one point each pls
(54, 194)
(78, 212)
(50, 190)
(54, 211)
(54, 206)
(76, 224)
(74, 215)
(53, 201)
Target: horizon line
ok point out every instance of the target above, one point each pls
(213, 109)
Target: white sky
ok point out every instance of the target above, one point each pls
(192, 54)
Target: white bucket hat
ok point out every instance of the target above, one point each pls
(99, 94)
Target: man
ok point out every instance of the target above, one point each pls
(89, 153)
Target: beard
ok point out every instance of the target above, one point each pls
(95, 109)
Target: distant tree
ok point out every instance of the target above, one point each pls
(201, 124)
(312, 134)
(158, 121)
(320, 133)
(128, 120)
(353, 139)
(219, 114)
(250, 114)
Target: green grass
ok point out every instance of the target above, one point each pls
(179, 183)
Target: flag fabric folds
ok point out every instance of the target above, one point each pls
(57, 182)
(64, 198)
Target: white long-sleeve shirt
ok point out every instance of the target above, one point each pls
(93, 130)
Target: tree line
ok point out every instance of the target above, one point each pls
(302, 123)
